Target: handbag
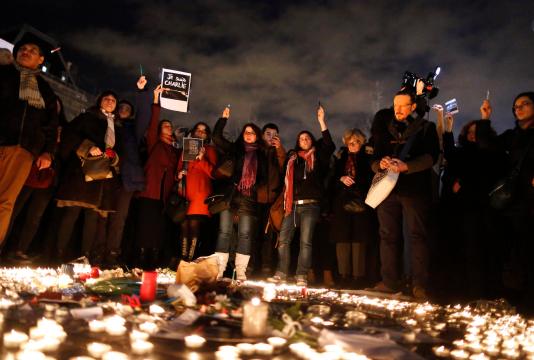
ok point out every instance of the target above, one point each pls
(353, 201)
(177, 205)
(96, 167)
(40, 179)
(503, 192)
(220, 202)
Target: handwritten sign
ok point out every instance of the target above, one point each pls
(178, 83)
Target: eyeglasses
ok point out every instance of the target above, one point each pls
(519, 106)
(249, 133)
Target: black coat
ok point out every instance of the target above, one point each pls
(346, 226)
(268, 172)
(21, 124)
(97, 194)
(388, 140)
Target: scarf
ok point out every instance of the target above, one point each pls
(250, 169)
(309, 163)
(109, 138)
(350, 166)
(29, 89)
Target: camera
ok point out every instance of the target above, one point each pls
(409, 81)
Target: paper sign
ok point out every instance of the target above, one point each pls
(178, 83)
(451, 107)
(191, 148)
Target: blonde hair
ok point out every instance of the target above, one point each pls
(357, 133)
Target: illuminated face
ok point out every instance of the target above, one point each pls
(403, 107)
(108, 103)
(249, 136)
(524, 109)
(354, 145)
(29, 56)
(305, 141)
(201, 132)
(125, 111)
(166, 129)
(268, 136)
(472, 133)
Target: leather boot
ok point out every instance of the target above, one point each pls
(222, 260)
(241, 263)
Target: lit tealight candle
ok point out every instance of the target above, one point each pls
(263, 349)
(30, 355)
(98, 349)
(156, 309)
(226, 355)
(141, 347)
(115, 329)
(115, 355)
(149, 327)
(138, 335)
(441, 351)
(14, 339)
(459, 354)
(277, 342)
(97, 326)
(245, 349)
(194, 341)
(255, 318)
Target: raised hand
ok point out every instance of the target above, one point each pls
(157, 92)
(449, 122)
(321, 117)
(141, 82)
(226, 113)
(485, 110)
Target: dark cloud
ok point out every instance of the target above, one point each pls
(274, 60)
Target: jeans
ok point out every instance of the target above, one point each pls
(246, 232)
(306, 216)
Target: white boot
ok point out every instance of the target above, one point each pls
(222, 260)
(241, 262)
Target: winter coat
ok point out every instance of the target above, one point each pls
(21, 124)
(100, 195)
(132, 172)
(388, 140)
(346, 226)
(268, 172)
(160, 168)
(199, 181)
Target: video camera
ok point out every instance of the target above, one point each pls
(409, 81)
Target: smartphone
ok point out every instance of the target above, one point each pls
(451, 107)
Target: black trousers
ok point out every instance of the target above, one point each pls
(66, 226)
(414, 212)
(37, 201)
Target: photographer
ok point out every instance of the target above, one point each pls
(410, 200)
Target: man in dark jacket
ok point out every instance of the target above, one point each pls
(28, 122)
(409, 202)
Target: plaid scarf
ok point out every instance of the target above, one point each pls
(29, 89)
(250, 169)
(309, 158)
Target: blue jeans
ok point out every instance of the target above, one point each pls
(246, 232)
(306, 217)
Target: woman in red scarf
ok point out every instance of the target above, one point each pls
(304, 187)
(253, 161)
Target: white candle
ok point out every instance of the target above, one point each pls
(277, 342)
(149, 327)
(115, 329)
(37, 333)
(81, 358)
(226, 355)
(138, 335)
(49, 344)
(255, 318)
(97, 326)
(115, 355)
(194, 341)
(98, 349)
(263, 349)
(229, 349)
(156, 309)
(441, 351)
(459, 354)
(14, 339)
(30, 355)
(245, 349)
(141, 347)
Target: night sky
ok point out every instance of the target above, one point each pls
(273, 61)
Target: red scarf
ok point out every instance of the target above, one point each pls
(350, 166)
(309, 158)
(250, 169)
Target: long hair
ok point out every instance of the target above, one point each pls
(297, 145)
(462, 137)
(240, 142)
(208, 131)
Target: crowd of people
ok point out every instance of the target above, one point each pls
(111, 177)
